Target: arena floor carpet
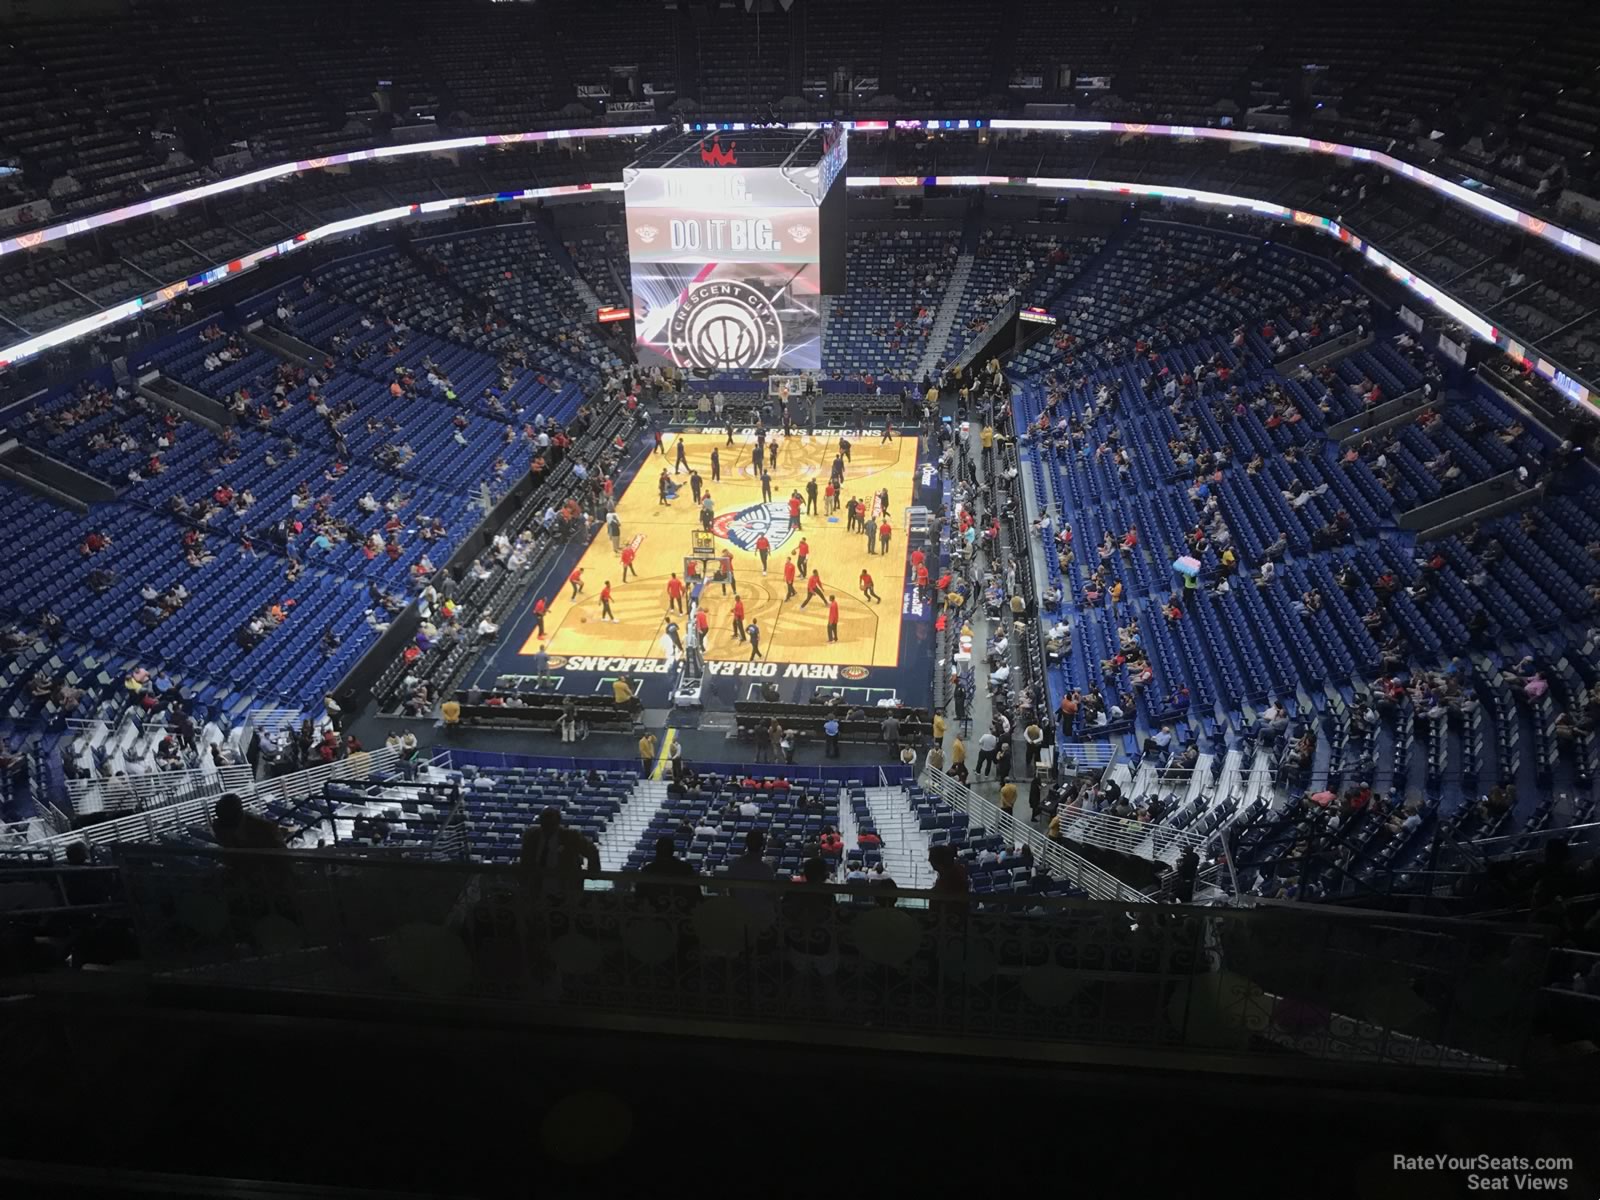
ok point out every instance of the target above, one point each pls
(792, 630)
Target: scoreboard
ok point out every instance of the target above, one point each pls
(733, 249)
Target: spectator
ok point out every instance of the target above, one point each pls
(891, 735)
(236, 829)
(950, 876)
(555, 857)
(752, 866)
(666, 890)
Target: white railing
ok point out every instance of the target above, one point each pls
(270, 720)
(300, 785)
(1126, 836)
(1054, 858)
(146, 789)
(154, 823)
(1089, 756)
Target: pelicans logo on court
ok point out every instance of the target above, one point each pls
(742, 528)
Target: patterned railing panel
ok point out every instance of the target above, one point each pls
(786, 960)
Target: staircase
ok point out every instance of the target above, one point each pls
(945, 320)
(586, 293)
(51, 478)
(625, 829)
(551, 236)
(184, 400)
(285, 345)
(905, 846)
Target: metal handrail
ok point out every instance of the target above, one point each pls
(152, 823)
(1053, 857)
(1481, 844)
(169, 787)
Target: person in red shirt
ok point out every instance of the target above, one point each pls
(702, 623)
(605, 603)
(794, 512)
(922, 580)
(883, 538)
(917, 559)
(538, 615)
(738, 617)
(868, 592)
(829, 499)
(788, 576)
(813, 588)
(627, 563)
(576, 580)
(763, 548)
(675, 593)
(1130, 539)
(802, 553)
(725, 571)
(833, 619)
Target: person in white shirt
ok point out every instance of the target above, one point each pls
(749, 808)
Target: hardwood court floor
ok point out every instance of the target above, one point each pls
(869, 633)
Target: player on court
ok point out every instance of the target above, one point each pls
(833, 619)
(813, 588)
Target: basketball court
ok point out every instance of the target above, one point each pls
(664, 536)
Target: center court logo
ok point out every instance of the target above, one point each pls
(725, 325)
(742, 528)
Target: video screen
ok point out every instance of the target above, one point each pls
(726, 269)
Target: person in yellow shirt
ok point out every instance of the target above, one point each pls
(647, 753)
(1008, 796)
(450, 711)
(620, 691)
(938, 726)
(1055, 828)
(958, 751)
(987, 437)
